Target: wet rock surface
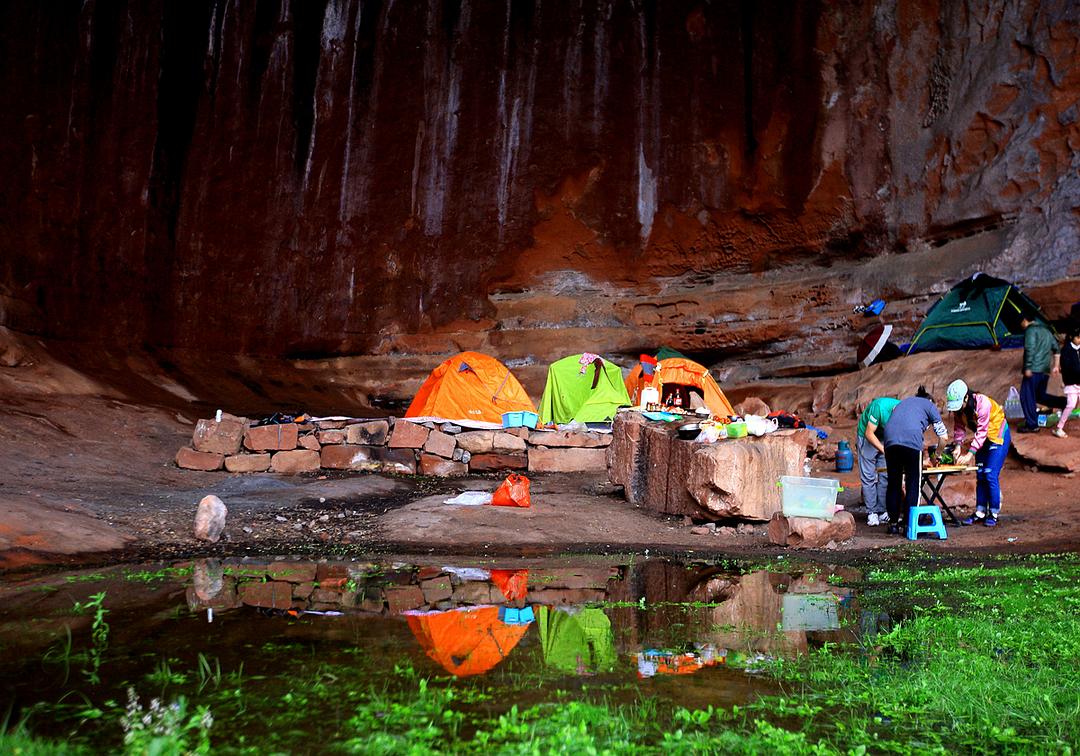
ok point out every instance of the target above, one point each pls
(722, 179)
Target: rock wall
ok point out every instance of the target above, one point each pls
(365, 177)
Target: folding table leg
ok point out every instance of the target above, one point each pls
(934, 483)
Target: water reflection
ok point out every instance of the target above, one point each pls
(662, 617)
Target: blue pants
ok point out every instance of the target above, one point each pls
(989, 459)
(1032, 391)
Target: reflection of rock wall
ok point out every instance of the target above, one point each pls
(414, 178)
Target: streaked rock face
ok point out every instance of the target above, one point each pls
(414, 178)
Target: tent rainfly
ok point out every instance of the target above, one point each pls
(470, 387)
(978, 313)
(582, 388)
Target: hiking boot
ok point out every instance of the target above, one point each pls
(991, 521)
(1060, 433)
(872, 520)
(973, 519)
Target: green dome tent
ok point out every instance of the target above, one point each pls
(577, 642)
(978, 313)
(587, 393)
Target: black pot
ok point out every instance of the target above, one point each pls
(689, 431)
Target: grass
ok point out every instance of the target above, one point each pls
(972, 659)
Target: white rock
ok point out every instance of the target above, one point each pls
(210, 519)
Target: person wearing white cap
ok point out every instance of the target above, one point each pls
(989, 446)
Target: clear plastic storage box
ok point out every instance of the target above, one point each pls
(809, 497)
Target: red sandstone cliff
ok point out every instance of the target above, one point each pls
(407, 178)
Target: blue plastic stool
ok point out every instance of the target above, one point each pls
(914, 528)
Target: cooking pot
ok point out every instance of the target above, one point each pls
(689, 431)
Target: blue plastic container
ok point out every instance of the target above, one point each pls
(520, 419)
(844, 458)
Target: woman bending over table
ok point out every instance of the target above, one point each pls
(985, 418)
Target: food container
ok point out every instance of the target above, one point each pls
(649, 395)
(736, 429)
(689, 431)
(520, 419)
(809, 497)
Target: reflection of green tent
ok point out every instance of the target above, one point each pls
(980, 312)
(667, 352)
(576, 642)
(585, 393)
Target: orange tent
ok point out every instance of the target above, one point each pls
(466, 641)
(679, 370)
(470, 386)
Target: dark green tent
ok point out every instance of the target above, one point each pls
(978, 313)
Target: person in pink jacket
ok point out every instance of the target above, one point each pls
(989, 446)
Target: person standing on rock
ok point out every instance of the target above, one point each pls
(904, 452)
(872, 456)
(1041, 358)
(1070, 376)
(989, 446)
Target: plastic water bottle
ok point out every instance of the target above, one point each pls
(844, 459)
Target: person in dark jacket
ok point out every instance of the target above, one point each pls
(1070, 376)
(904, 452)
(1040, 360)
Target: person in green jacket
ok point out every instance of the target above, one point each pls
(872, 456)
(1041, 358)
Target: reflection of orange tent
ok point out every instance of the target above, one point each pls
(470, 386)
(466, 641)
(684, 372)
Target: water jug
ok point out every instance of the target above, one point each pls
(844, 459)
(649, 395)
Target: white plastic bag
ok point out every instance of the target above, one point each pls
(759, 426)
(1013, 409)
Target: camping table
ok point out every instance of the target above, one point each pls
(933, 478)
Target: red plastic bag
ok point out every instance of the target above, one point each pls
(514, 584)
(514, 492)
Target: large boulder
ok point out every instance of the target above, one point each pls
(1045, 450)
(738, 478)
(626, 455)
(810, 532)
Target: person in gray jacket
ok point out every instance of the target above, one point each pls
(904, 452)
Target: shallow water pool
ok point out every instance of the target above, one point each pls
(289, 655)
